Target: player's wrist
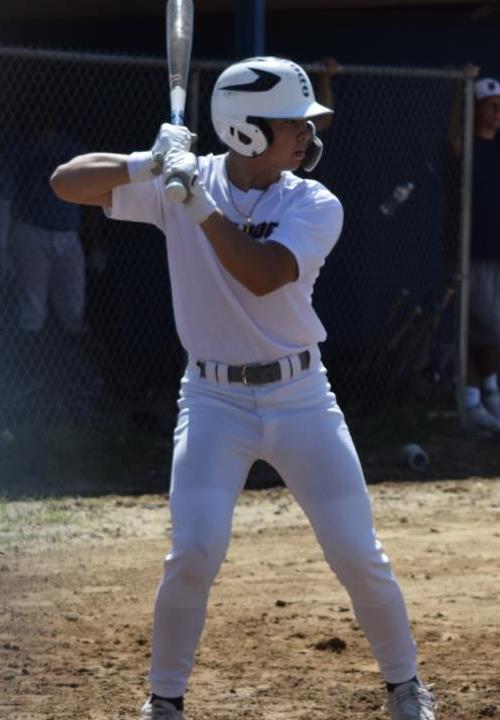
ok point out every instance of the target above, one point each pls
(201, 206)
(141, 166)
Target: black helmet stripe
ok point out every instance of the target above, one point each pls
(265, 81)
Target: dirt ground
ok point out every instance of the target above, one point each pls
(78, 576)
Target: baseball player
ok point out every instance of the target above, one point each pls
(244, 253)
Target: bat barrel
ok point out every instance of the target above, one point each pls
(179, 41)
(180, 15)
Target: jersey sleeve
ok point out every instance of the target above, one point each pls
(310, 228)
(138, 202)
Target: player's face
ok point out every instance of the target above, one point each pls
(290, 141)
(488, 113)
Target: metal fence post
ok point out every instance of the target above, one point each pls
(466, 206)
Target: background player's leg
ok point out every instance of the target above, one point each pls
(31, 256)
(314, 453)
(215, 446)
(68, 281)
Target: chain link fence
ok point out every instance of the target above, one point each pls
(388, 294)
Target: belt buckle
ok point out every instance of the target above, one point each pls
(244, 374)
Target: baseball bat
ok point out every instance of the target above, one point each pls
(433, 324)
(406, 328)
(179, 42)
(379, 348)
(415, 351)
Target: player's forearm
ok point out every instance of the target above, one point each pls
(89, 177)
(260, 267)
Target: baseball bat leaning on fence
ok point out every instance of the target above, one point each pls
(179, 42)
(401, 346)
(416, 350)
(375, 357)
(406, 329)
(380, 363)
(427, 337)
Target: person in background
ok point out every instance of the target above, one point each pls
(323, 86)
(47, 255)
(482, 396)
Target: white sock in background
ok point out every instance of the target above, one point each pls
(472, 397)
(490, 383)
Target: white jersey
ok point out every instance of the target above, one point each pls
(216, 317)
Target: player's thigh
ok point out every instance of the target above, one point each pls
(315, 454)
(214, 448)
(317, 460)
(216, 441)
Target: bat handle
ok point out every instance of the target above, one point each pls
(176, 190)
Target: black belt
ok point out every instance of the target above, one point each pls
(258, 374)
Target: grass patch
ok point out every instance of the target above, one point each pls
(55, 520)
(70, 460)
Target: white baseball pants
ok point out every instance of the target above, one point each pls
(296, 426)
(49, 264)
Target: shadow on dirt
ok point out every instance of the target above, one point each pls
(132, 456)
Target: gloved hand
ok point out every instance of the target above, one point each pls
(145, 165)
(183, 165)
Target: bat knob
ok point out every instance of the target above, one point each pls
(176, 190)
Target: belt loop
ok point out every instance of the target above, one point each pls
(210, 368)
(285, 369)
(201, 366)
(222, 373)
(296, 365)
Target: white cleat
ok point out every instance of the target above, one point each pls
(491, 401)
(478, 418)
(410, 701)
(159, 709)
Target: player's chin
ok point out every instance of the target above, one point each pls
(296, 160)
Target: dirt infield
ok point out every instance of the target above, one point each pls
(78, 575)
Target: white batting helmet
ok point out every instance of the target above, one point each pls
(260, 88)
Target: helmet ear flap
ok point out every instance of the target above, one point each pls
(244, 137)
(263, 126)
(314, 150)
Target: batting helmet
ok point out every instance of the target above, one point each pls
(253, 90)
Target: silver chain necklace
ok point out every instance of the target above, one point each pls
(248, 215)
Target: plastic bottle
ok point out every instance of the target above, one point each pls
(415, 456)
(399, 195)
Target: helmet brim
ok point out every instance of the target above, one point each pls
(313, 110)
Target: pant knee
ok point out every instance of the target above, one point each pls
(189, 574)
(366, 574)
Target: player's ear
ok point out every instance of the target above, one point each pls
(314, 149)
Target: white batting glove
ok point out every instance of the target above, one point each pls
(146, 165)
(183, 165)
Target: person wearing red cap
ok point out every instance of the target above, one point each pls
(482, 395)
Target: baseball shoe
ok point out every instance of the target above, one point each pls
(478, 418)
(410, 701)
(159, 709)
(491, 401)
